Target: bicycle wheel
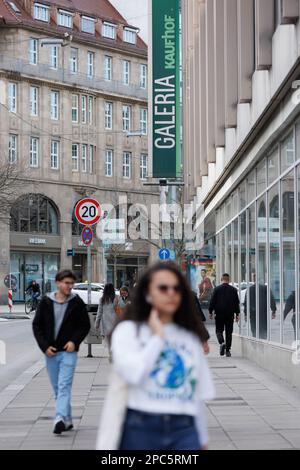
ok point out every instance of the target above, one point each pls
(28, 306)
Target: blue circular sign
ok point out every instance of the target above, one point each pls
(87, 236)
(164, 254)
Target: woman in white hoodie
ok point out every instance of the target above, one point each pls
(158, 350)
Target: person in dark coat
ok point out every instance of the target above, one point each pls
(225, 305)
(60, 325)
(291, 305)
(263, 309)
(203, 319)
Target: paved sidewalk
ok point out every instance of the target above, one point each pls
(253, 410)
(18, 312)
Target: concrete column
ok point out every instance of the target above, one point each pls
(290, 11)
(203, 88)
(246, 49)
(196, 92)
(264, 30)
(231, 62)
(210, 82)
(66, 244)
(219, 73)
(4, 258)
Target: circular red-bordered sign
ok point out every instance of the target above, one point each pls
(88, 211)
(87, 236)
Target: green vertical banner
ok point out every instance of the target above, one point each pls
(166, 88)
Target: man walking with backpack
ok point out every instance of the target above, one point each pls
(225, 305)
(60, 325)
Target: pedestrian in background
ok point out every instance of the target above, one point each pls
(158, 351)
(225, 305)
(60, 325)
(123, 300)
(106, 315)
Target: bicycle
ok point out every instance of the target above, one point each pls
(31, 304)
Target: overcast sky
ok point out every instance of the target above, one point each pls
(135, 12)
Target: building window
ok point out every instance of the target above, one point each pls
(109, 31)
(54, 57)
(74, 60)
(144, 167)
(144, 121)
(92, 158)
(91, 101)
(41, 12)
(65, 18)
(108, 163)
(75, 157)
(13, 148)
(75, 101)
(15, 8)
(34, 152)
(91, 61)
(34, 213)
(127, 165)
(84, 158)
(12, 97)
(126, 72)
(83, 109)
(33, 51)
(126, 118)
(108, 67)
(54, 154)
(143, 76)
(54, 105)
(34, 101)
(108, 116)
(88, 25)
(129, 35)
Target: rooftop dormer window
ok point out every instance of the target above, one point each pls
(109, 30)
(88, 24)
(14, 7)
(129, 35)
(41, 12)
(65, 18)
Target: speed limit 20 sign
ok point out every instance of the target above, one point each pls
(88, 211)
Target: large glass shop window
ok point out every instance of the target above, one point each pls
(274, 260)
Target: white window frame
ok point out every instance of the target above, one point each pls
(108, 65)
(144, 121)
(34, 101)
(109, 30)
(126, 117)
(127, 158)
(129, 35)
(41, 12)
(109, 156)
(74, 60)
(54, 154)
(83, 109)
(33, 51)
(84, 158)
(143, 76)
(54, 57)
(108, 115)
(143, 166)
(126, 72)
(12, 149)
(54, 105)
(12, 97)
(87, 20)
(92, 151)
(90, 64)
(75, 158)
(91, 110)
(65, 18)
(34, 152)
(75, 107)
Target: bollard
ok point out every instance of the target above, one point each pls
(10, 300)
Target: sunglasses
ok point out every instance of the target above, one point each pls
(164, 288)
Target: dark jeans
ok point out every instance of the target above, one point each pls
(225, 322)
(147, 431)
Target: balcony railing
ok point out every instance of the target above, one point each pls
(44, 71)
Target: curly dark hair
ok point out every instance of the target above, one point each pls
(186, 316)
(109, 294)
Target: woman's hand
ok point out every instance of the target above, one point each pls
(206, 348)
(155, 323)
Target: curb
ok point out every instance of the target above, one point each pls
(11, 316)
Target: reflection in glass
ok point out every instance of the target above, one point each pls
(243, 270)
(261, 176)
(273, 166)
(274, 256)
(228, 250)
(288, 255)
(251, 270)
(242, 196)
(287, 152)
(251, 187)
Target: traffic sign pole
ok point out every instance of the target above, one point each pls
(89, 292)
